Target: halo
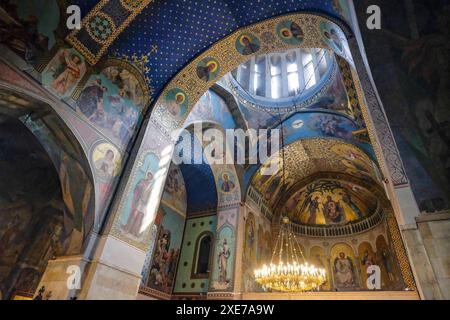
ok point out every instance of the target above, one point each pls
(180, 94)
(288, 30)
(225, 173)
(241, 39)
(216, 65)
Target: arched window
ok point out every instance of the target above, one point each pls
(202, 255)
(284, 74)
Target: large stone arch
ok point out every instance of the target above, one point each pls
(68, 155)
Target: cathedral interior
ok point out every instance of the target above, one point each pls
(354, 174)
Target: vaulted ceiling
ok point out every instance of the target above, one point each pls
(176, 31)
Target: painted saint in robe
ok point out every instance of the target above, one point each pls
(223, 257)
(141, 196)
(347, 198)
(207, 71)
(249, 46)
(227, 184)
(313, 207)
(344, 271)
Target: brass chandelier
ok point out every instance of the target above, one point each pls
(285, 272)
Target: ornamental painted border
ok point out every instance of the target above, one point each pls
(93, 57)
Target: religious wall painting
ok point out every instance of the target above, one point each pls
(64, 72)
(247, 44)
(107, 161)
(250, 241)
(329, 202)
(175, 190)
(343, 264)
(310, 125)
(211, 107)
(227, 182)
(77, 189)
(387, 262)
(113, 101)
(367, 258)
(331, 36)
(177, 103)
(223, 272)
(355, 161)
(208, 69)
(290, 32)
(318, 257)
(29, 27)
(167, 251)
(136, 206)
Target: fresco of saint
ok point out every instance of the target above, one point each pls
(141, 196)
(344, 271)
(222, 260)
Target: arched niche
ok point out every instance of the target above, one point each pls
(68, 157)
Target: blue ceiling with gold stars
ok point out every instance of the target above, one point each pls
(176, 31)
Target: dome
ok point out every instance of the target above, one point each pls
(284, 76)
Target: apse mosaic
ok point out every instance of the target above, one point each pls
(327, 202)
(304, 158)
(113, 101)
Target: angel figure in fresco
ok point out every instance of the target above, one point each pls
(223, 257)
(344, 271)
(333, 211)
(71, 72)
(141, 197)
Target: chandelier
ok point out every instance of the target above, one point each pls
(287, 272)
